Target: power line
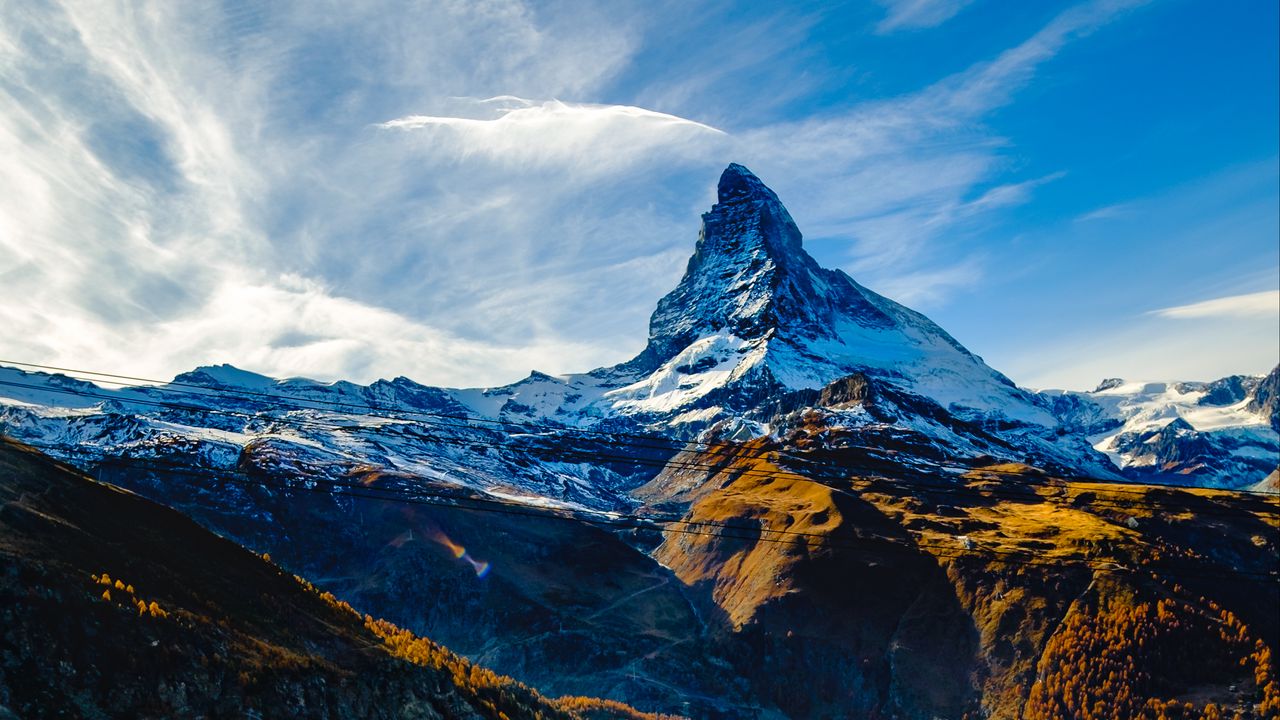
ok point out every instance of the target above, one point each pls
(725, 449)
(615, 520)
(672, 464)
(596, 457)
(661, 442)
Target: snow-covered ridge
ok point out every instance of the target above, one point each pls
(1221, 433)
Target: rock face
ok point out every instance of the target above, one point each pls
(1228, 390)
(750, 278)
(1265, 398)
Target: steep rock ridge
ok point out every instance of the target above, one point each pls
(1264, 398)
(1228, 390)
(755, 308)
(750, 277)
(1224, 433)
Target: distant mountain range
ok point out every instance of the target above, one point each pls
(660, 531)
(1215, 434)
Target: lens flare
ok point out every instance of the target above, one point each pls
(457, 550)
(480, 566)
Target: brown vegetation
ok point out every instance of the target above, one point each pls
(1061, 608)
(1115, 657)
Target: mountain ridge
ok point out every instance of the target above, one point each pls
(755, 323)
(1222, 433)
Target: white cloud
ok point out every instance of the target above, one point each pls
(588, 138)
(288, 326)
(916, 14)
(1258, 304)
(161, 184)
(1107, 212)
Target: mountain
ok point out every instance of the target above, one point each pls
(114, 606)
(755, 320)
(755, 309)
(1224, 433)
(773, 511)
(754, 330)
(834, 597)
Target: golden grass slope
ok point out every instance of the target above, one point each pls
(1031, 576)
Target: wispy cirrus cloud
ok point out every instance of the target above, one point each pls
(892, 176)
(1106, 212)
(314, 192)
(1257, 304)
(170, 168)
(917, 14)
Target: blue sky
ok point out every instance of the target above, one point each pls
(461, 192)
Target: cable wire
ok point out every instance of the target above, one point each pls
(713, 448)
(627, 521)
(672, 464)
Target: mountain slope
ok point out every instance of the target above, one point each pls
(1007, 594)
(556, 601)
(116, 607)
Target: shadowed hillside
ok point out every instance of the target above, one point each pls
(113, 606)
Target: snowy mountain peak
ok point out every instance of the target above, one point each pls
(1109, 384)
(755, 315)
(748, 217)
(751, 279)
(736, 180)
(1218, 433)
(749, 224)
